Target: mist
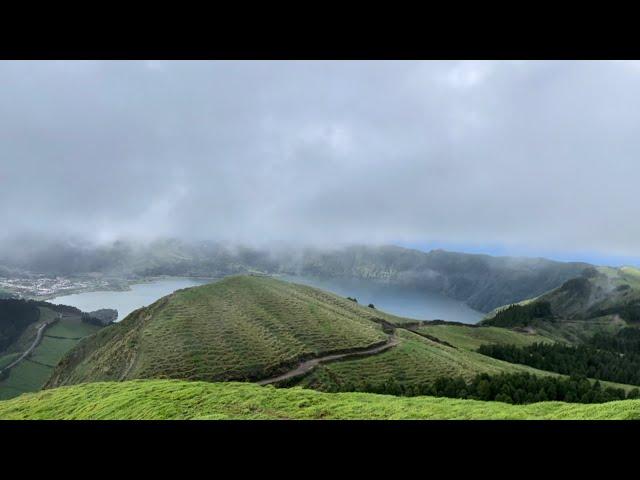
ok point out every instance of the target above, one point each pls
(542, 155)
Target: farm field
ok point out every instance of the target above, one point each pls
(32, 373)
(8, 358)
(175, 399)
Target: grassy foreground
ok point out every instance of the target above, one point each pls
(177, 399)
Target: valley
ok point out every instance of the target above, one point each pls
(482, 282)
(28, 361)
(335, 334)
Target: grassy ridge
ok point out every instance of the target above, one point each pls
(249, 327)
(417, 360)
(243, 327)
(598, 293)
(173, 399)
(470, 338)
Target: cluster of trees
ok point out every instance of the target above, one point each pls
(15, 317)
(521, 315)
(520, 388)
(626, 341)
(371, 305)
(582, 360)
(629, 311)
(516, 388)
(102, 317)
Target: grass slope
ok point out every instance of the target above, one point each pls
(33, 372)
(417, 360)
(470, 338)
(243, 327)
(587, 296)
(173, 399)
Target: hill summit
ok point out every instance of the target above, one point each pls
(240, 328)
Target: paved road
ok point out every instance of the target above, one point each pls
(306, 367)
(35, 343)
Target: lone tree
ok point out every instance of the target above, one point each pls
(371, 305)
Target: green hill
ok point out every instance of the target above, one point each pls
(173, 399)
(416, 360)
(255, 327)
(602, 299)
(241, 328)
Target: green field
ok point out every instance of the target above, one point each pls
(470, 338)
(242, 327)
(27, 376)
(174, 399)
(32, 373)
(252, 327)
(417, 360)
(8, 358)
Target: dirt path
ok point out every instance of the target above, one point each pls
(306, 367)
(35, 343)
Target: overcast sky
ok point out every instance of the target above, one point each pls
(521, 155)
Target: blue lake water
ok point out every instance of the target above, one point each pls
(140, 295)
(402, 301)
(421, 305)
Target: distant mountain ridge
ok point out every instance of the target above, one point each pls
(482, 281)
(598, 292)
(602, 299)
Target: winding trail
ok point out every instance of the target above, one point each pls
(35, 343)
(307, 366)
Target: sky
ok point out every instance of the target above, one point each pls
(507, 157)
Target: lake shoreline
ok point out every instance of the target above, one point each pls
(139, 293)
(397, 300)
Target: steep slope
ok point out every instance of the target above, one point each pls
(601, 299)
(605, 291)
(171, 399)
(482, 281)
(15, 318)
(241, 328)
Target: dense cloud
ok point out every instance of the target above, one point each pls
(542, 154)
